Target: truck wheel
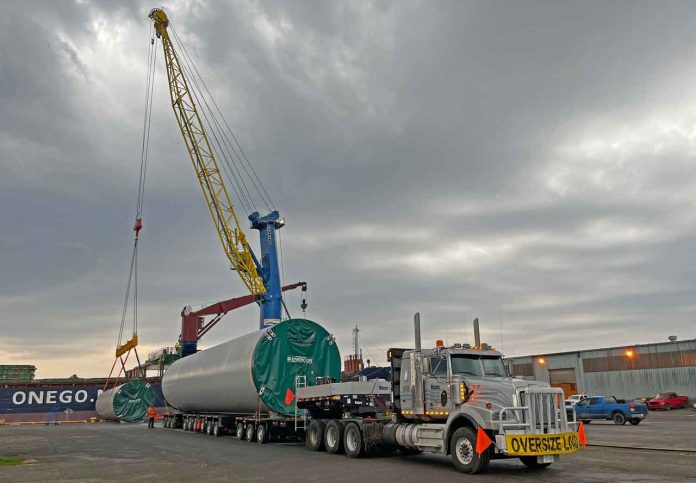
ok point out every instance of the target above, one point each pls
(619, 419)
(464, 455)
(333, 437)
(240, 432)
(250, 433)
(352, 441)
(261, 434)
(667, 407)
(634, 421)
(315, 435)
(532, 462)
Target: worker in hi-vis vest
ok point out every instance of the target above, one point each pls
(151, 417)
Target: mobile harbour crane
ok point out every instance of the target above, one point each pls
(261, 275)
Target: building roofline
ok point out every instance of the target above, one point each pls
(625, 346)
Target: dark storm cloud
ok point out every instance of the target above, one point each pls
(531, 162)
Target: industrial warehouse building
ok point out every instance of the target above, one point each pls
(626, 372)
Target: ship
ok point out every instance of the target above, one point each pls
(24, 399)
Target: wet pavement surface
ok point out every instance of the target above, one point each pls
(112, 452)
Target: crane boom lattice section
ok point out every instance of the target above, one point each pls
(202, 156)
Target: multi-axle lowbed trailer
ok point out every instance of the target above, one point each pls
(361, 400)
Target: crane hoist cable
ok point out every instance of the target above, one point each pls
(125, 348)
(239, 152)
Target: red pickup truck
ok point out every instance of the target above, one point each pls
(667, 401)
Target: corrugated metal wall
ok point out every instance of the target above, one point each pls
(644, 382)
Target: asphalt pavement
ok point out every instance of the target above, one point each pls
(106, 452)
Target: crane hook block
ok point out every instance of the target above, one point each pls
(138, 225)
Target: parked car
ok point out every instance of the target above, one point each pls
(607, 408)
(574, 399)
(667, 401)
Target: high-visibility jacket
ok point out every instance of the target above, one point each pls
(150, 412)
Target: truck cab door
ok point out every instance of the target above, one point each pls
(436, 384)
(582, 409)
(597, 408)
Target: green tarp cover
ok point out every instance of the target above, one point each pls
(132, 400)
(298, 347)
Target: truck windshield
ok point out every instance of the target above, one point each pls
(466, 365)
(493, 366)
(478, 366)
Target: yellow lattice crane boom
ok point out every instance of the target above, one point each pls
(206, 166)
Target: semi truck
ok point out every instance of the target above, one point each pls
(457, 400)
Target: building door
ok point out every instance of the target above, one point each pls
(565, 379)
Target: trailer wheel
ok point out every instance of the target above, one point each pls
(464, 455)
(240, 431)
(333, 437)
(261, 434)
(353, 441)
(315, 435)
(250, 433)
(216, 429)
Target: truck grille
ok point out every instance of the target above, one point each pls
(546, 412)
(539, 410)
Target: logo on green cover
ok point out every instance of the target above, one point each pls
(299, 360)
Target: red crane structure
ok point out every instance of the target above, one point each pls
(194, 325)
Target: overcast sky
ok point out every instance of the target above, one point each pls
(526, 160)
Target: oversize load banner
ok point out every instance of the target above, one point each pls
(542, 444)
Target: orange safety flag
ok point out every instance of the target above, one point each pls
(581, 435)
(289, 397)
(482, 441)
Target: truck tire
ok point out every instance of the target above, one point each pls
(261, 436)
(353, 441)
(315, 435)
(333, 437)
(619, 419)
(532, 462)
(668, 407)
(240, 431)
(634, 421)
(464, 457)
(250, 433)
